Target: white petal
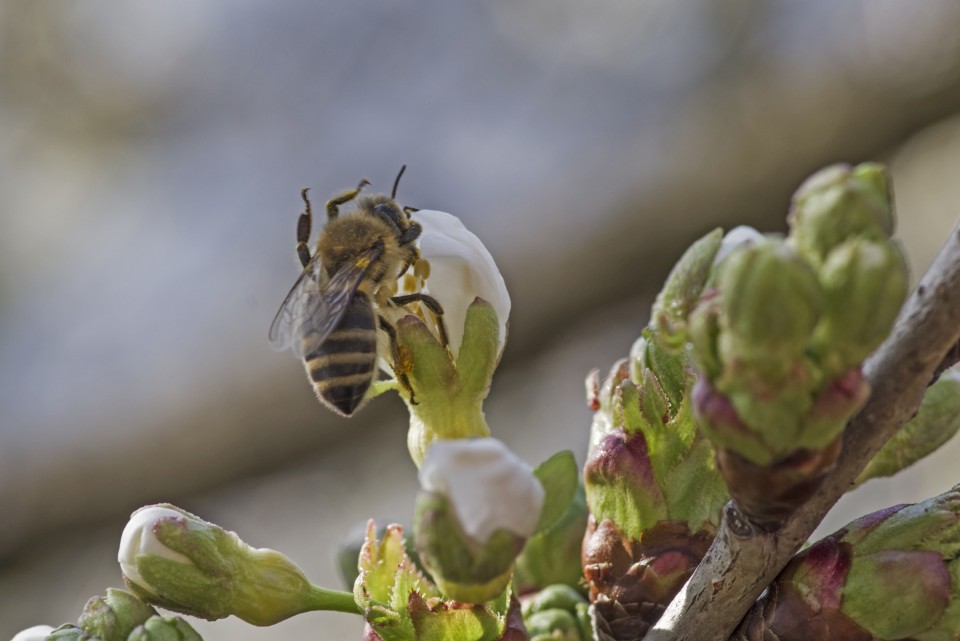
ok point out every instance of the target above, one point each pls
(736, 237)
(461, 269)
(138, 538)
(36, 633)
(489, 486)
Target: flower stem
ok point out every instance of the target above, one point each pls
(332, 600)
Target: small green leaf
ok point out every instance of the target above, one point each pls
(559, 476)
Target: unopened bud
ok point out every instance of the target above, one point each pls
(838, 203)
(164, 629)
(112, 617)
(864, 284)
(178, 561)
(479, 504)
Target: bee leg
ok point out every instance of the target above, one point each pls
(398, 368)
(333, 205)
(433, 305)
(303, 229)
(411, 234)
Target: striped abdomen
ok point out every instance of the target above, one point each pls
(344, 365)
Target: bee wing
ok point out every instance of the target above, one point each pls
(316, 302)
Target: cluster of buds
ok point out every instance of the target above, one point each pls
(893, 574)
(116, 616)
(781, 333)
(557, 613)
(654, 494)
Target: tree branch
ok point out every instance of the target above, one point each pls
(743, 560)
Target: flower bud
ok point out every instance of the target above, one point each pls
(889, 575)
(557, 612)
(164, 629)
(864, 284)
(770, 303)
(479, 504)
(177, 561)
(838, 203)
(112, 617)
(35, 633)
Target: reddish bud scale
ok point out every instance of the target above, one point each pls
(768, 493)
(632, 581)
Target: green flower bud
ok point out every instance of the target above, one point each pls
(177, 561)
(770, 303)
(479, 504)
(112, 617)
(864, 284)
(164, 629)
(889, 575)
(838, 203)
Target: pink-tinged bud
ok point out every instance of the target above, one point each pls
(889, 575)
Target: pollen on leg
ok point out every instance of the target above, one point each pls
(404, 364)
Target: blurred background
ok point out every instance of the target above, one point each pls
(151, 156)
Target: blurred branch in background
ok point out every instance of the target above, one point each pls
(151, 157)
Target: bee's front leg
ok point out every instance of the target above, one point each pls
(401, 364)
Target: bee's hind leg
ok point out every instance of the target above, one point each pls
(400, 364)
(433, 305)
(333, 205)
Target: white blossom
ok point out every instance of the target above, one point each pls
(488, 486)
(36, 633)
(461, 269)
(138, 538)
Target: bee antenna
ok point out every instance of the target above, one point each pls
(396, 182)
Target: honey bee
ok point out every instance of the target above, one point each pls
(332, 315)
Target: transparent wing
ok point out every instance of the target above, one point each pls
(316, 303)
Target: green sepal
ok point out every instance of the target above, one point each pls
(683, 288)
(386, 583)
(113, 616)
(552, 556)
(559, 476)
(465, 570)
(448, 397)
(479, 349)
(69, 632)
(937, 420)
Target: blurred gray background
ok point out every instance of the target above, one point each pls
(151, 155)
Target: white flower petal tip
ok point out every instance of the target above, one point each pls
(36, 633)
(461, 270)
(138, 538)
(489, 486)
(737, 237)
